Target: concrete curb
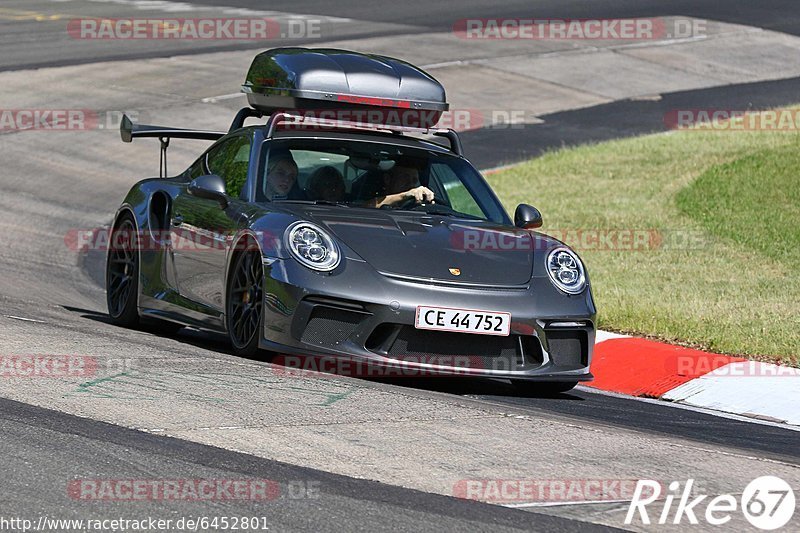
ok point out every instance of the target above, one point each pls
(641, 367)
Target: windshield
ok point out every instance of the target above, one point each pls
(374, 175)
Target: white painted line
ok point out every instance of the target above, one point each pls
(559, 504)
(607, 336)
(647, 98)
(215, 99)
(25, 319)
(664, 42)
(445, 64)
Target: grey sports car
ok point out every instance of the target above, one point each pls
(369, 240)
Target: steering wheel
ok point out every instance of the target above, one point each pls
(409, 202)
(412, 202)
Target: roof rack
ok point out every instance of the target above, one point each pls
(292, 118)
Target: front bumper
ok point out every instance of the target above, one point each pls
(362, 315)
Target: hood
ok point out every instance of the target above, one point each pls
(419, 245)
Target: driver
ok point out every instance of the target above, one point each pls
(401, 184)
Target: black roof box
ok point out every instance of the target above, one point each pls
(344, 85)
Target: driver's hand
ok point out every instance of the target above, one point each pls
(420, 194)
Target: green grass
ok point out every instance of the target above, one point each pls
(727, 204)
(753, 201)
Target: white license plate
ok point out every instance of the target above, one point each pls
(463, 320)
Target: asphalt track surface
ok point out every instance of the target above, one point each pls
(30, 43)
(779, 15)
(41, 446)
(47, 442)
(46, 45)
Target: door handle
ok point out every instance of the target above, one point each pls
(177, 220)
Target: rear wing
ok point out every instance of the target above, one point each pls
(129, 131)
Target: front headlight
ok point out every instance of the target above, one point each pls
(313, 247)
(566, 270)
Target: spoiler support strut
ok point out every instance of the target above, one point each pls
(162, 164)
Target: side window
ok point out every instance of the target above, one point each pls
(230, 160)
(455, 191)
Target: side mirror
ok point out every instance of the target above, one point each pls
(527, 217)
(211, 187)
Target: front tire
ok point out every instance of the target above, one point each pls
(244, 304)
(543, 388)
(122, 274)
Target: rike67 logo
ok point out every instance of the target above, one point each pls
(768, 503)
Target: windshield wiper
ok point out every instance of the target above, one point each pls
(314, 202)
(438, 209)
(450, 213)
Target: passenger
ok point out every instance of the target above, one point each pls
(281, 182)
(326, 183)
(401, 184)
